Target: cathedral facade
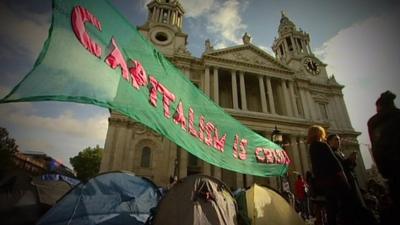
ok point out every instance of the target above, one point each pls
(290, 91)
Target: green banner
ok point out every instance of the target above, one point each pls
(94, 56)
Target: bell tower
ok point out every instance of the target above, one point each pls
(164, 27)
(292, 48)
(291, 43)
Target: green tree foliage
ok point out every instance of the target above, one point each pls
(87, 163)
(7, 149)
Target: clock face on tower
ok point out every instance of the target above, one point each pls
(311, 65)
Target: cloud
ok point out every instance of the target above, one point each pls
(195, 8)
(267, 49)
(66, 123)
(221, 19)
(22, 32)
(35, 144)
(12, 108)
(225, 21)
(365, 57)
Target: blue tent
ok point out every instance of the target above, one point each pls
(110, 198)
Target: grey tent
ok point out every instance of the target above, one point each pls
(197, 200)
(51, 187)
(109, 198)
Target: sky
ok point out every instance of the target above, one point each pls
(359, 40)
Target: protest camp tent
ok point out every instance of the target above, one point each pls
(19, 203)
(197, 200)
(24, 199)
(265, 206)
(109, 198)
(51, 187)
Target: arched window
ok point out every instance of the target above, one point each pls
(145, 159)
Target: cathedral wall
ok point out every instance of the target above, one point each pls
(259, 90)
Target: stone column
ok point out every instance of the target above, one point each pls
(345, 112)
(169, 16)
(249, 180)
(217, 172)
(108, 154)
(318, 113)
(183, 162)
(304, 153)
(286, 47)
(274, 182)
(293, 98)
(339, 112)
(234, 90)
(262, 94)
(156, 12)
(207, 81)
(239, 180)
(303, 44)
(331, 115)
(120, 147)
(286, 98)
(180, 21)
(161, 13)
(311, 105)
(216, 88)
(206, 168)
(153, 14)
(304, 102)
(270, 96)
(126, 160)
(296, 155)
(242, 90)
(294, 44)
(173, 18)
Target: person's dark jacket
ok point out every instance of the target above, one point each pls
(326, 167)
(384, 132)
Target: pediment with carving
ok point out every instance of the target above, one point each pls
(247, 54)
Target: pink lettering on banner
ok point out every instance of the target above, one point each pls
(243, 151)
(268, 155)
(79, 17)
(202, 126)
(219, 143)
(138, 74)
(239, 148)
(116, 59)
(277, 159)
(287, 159)
(179, 117)
(260, 157)
(153, 91)
(209, 130)
(168, 97)
(281, 157)
(192, 130)
(235, 147)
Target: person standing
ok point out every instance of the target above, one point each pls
(384, 133)
(301, 189)
(330, 178)
(354, 210)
